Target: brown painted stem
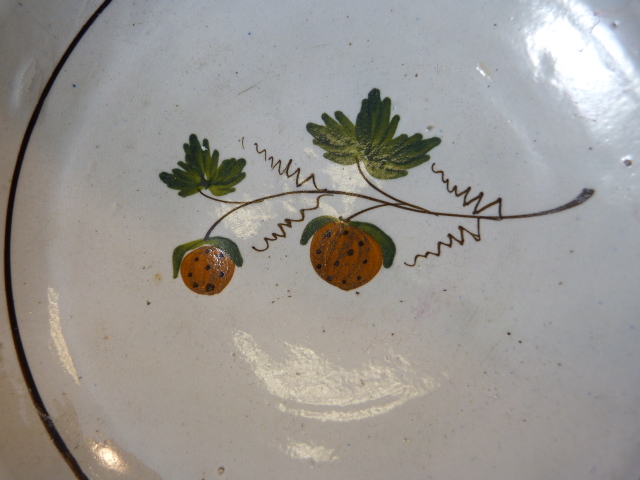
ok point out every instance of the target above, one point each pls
(302, 192)
(585, 195)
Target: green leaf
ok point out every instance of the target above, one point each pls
(201, 171)
(388, 247)
(229, 246)
(337, 138)
(180, 251)
(314, 225)
(371, 140)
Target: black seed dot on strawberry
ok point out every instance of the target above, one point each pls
(329, 279)
(208, 267)
(318, 252)
(221, 274)
(346, 232)
(196, 259)
(207, 250)
(196, 284)
(190, 274)
(344, 281)
(361, 243)
(210, 287)
(358, 278)
(365, 261)
(221, 255)
(337, 263)
(319, 266)
(328, 234)
(350, 252)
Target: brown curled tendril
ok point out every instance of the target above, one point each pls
(286, 169)
(451, 238)
(288, 223)
(584, 195)
(466, 193)
(466, 201)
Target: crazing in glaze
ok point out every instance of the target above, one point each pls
(343, 252)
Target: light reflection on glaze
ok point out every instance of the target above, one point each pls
(570, 49)
(57, 337)
(312, 386)
(309, 451)
(246, 223)
(347, 181)
(485, 71)
(107, 456)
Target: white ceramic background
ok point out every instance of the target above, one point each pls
(514, 357)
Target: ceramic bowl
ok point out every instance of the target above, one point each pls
(365, 240)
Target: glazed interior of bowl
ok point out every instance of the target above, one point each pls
(359, 241)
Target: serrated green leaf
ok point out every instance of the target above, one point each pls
(314, 225)
(178, 183)
(212, 164)
(371, 140)
(388, 247)
(223, 243)
(372, 123)
(201, 170)
(230, 169)
(337, 138)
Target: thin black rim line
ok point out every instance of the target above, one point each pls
(13, 319)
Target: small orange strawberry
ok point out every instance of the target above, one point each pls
(209, 267)
(347, 254)
(207, 270)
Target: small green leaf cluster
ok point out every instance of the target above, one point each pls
(200, 171)
(371, 140)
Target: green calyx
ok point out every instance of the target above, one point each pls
(388, 247)
(371, 140)
(223, 243)
(314, 225)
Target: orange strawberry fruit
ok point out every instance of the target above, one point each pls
(209, 266)
(207, 270)
(347, 254)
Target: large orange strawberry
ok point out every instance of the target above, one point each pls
(347, 254)
(209, 267)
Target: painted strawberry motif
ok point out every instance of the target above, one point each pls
(209, 267)
(347, 254)
(344, 253)
(207, 270)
